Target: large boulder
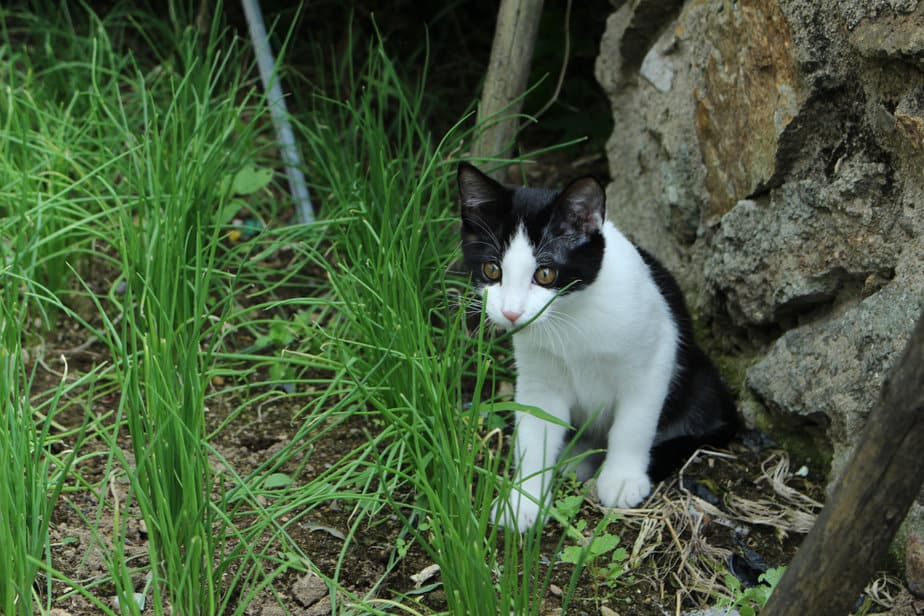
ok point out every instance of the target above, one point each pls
(771, 154)
(833, 368)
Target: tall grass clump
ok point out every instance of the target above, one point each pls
(52, 196)
(182, 131)
(24, 482)
(48, 206)
(168, 246)
(398, 339)
(31, 476)
(119, 166)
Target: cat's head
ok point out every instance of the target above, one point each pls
(525, 246)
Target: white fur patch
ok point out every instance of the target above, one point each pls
(517, 293)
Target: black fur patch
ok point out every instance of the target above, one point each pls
(698, 399)
(563, 226)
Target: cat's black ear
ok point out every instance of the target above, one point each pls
(476, 188)
(582, 206)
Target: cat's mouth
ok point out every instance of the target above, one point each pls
(504, 325)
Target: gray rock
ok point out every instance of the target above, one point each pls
(914, 564)
(854, 12)
(656, 195)
(804, 245)
(892, 35)
(770, 154)
(832, 370)
(657, 70)
(713, 611)
(321, 608)
(309, 589)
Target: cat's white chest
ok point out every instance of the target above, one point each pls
(596, 388)
(591, 382)
(604, 347)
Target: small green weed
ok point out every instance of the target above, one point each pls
(748, 601)
(600, 552)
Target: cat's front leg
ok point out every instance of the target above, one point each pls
(537, 444)
(623, 481)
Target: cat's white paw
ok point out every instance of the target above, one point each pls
(622, 489)
(519, 514)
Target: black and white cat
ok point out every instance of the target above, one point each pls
(606, 341)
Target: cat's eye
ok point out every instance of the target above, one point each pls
(545, 276)
(491, 270)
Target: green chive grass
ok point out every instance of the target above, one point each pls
(400, 344)
(117, 188)
(168, 243)
(32, 476)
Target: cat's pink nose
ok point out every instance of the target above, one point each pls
(511, 315)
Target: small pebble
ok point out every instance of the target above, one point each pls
(505, 389)
(321, 608)
(309, 589)
(425, 575)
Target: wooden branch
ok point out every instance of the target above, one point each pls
(854, 530)
(507, 77)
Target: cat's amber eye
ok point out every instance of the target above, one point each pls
(491, 270)
(545, 276)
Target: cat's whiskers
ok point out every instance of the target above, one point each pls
(537, 250)
(559, 323)
(473, 308)
(483, 243)
(483, 225)
(555, 340)
(569, 320)
(548, 331)
(546, 239)
(471, 304)
(557, 326)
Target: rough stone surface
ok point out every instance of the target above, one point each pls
(834, 367)
(853, 12)
(914, 564)
(771, 154)
(892, 35)
(801, 245)
(750, 66)
(321, 608)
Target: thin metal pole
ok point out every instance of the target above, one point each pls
(277, 105)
